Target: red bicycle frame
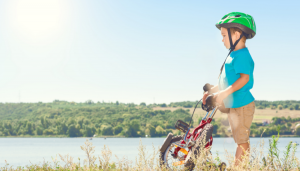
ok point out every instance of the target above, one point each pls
(191, 137)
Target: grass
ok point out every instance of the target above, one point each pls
(255, 160)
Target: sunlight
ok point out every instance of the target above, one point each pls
(35, 19)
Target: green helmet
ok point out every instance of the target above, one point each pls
(239, 20)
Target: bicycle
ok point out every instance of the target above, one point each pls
(177, 151)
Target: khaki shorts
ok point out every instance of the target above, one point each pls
(240, 120)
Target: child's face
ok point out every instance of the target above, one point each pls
(225, 39)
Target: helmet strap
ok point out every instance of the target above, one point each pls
(232, 46)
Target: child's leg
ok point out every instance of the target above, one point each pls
(240, 120)
(240, 151)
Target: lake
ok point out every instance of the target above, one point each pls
(23, 151)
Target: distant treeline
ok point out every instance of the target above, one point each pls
(86, 119)
(114, 119)
(287, 104)
(288, 126)
(260, 104)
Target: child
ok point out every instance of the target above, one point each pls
(236, 78)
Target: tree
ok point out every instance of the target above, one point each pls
(280, 107)
(48, 132)
(297, 107)
(39, 131)
(29, 128)
(291, 107)
(80, 122)
(260, 107)
(159, 131)
(132, 128)
(107, 130)
(72, 131)
(117, 102)
(150, 130)
(297, 131)
(118, 129)
(64, 128)
(135, 125)
(188, 105)
(89, 131)
(143, 104)
(163, 105)
(89, 102)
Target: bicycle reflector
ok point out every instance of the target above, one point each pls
(182, 126)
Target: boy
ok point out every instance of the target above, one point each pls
(236, 78)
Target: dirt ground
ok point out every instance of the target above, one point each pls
(259, 115)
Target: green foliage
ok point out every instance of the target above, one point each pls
(297, 107)
(39, 131)
(261, 107)
(162, 105)
(48, 132)
(159, 131)
(72, 131)
(107, 130)
(269, 130)
(262, 104)
(185, 104)
(118, 129)
(274, 161)
(85, 119)
(143, 104)
(297, 131)
(114, 119)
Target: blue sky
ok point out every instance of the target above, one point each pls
(138, 51)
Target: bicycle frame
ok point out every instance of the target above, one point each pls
(190, 138)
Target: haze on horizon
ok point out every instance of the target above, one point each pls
(138, 51)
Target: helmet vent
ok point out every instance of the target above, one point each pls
(237, 15)
(224, 17)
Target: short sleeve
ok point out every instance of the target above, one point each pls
(242, 64)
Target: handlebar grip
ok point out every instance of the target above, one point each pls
(207, 87)
(210, 103)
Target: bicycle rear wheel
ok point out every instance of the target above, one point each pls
(167, 158)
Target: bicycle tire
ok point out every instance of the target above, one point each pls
(196, 149)
(163, 157)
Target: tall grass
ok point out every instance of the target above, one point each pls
(255, 160)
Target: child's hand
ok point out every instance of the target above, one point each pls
(204, 97)
(221, 96)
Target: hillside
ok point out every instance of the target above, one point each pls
(86, 119)
(62, 118)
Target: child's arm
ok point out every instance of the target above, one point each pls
(238, 84)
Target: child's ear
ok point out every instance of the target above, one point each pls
(237, 34)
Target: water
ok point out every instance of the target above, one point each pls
(24, 151)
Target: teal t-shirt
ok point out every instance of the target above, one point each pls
(239, 61)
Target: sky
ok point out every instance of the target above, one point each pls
(139, 51)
